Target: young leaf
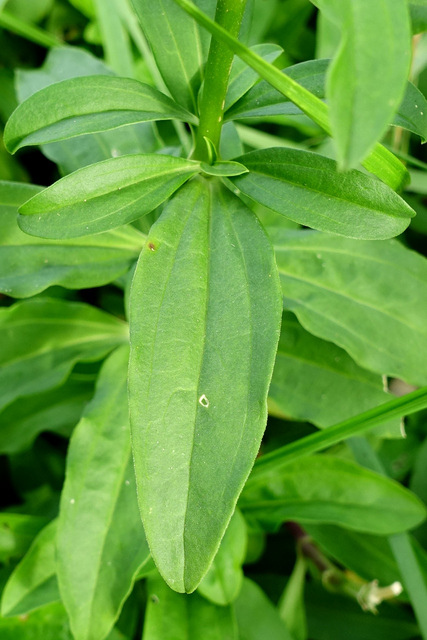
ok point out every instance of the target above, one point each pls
(44, 339)
(222, 583)
(86, 105)
(198, 397)
(367, 79)
(378, 317)
(172, 616)
(180, 47)
(101, 542)
(33, 582)
(326, 489)
(28, 265)
(307, 188)
(257, 618)
(104, 196)
(291, 603)
(327, 385)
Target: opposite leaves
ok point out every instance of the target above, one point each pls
(205, 316)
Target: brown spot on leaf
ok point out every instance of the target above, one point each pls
(152, 246)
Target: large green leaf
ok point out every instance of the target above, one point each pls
(101, 544)
(28, 265)
(173, 616)
(222, 583)
(71, 62)
(57, 410)
(86, 105)
(263, 100)
(205, 315)
(33, 582)
(367, 78)
(180, 47)
(370, 298)
(326, 489)
(43, 339)
(307, 188)
(327, 385)
(104, 195)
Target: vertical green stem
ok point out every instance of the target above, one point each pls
(229, 14)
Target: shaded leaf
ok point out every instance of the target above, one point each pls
(17, 532)
(257, 618)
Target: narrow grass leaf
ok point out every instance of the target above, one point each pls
(327, 489)
(378, 317)
(33, 582)
(307, 188)
(87, 105)
(103, 196)
(198, 398)
(44, 338)
(101, 542)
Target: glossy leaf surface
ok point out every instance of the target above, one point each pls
(29, 265)
(104, 196)
(172, 616)
(378, 317)
(307, 188)
(207, 280)
(366, 80)
(327, 489)
(44, 338)
(86, 105)
(99, 528)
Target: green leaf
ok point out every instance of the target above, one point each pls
(326, 489)
(180, 47)
(242, 77)
(257, 618)
(291, 603)
(17, 533)
(222, 583)
(380, 161)
(87, 105)
(367, 78)
(307, 188)
(28, 265)
(44, 339)
(264, 101)
(33, 582)
(327, 385)
(378, 317)
(58, 411)
(70, 62)
(105, 195)
(172, 616)
(115, 39)
(223, 168)
(198, 398)
(101, 544)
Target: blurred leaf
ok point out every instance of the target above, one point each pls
(17, 533)
(257, 618)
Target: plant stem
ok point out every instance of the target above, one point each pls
(30, 32)
(229, 14)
